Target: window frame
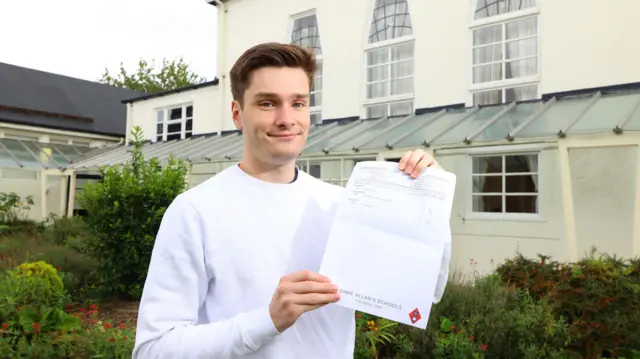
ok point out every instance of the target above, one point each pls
(532, 12)
(388, 44)
(503, 216)
(182, 121)
(313, 110)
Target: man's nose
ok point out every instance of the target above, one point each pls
(285, 116)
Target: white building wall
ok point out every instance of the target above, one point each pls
(582, 44)
(206, 109)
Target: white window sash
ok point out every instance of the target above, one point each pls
(506, 17)
(166, 121)
(503, 194)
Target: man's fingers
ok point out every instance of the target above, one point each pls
(312, 287)
(403, 161)
(305, 275)
(425, 162)
(316, 299)
(413, 161)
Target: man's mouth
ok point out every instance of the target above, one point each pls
(282, 135)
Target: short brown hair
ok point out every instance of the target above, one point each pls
(271, 54)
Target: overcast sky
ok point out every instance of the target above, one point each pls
(79, 38)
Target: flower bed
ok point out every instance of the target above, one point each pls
(34, 322)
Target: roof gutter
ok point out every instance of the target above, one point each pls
(222, 57)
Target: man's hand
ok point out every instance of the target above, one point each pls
(414, 162)
(298, 293)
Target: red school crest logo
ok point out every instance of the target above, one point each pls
(415, 316)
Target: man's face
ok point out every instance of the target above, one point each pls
(275, 115)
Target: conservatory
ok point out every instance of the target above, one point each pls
(555, 176)
(36, 169)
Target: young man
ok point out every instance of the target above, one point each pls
(230, 271)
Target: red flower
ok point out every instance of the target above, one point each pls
(36, 327)
(471, 338)
(111, 340)
(483, 346)
(122, 326)
(5, 326)
(107, 325)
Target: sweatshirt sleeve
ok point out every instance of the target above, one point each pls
(175, 289)
(443, 276)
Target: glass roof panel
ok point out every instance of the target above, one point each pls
(335, 134)
(391, 134)
(554, 118)
(633, 124)
(68, 151)
(49, 155)
(363, 136)
(86, 149)
(227, 149)
(508, 122)
(101, 158)
(417, 136)
(6, 160)
(465, 128)
(605, 114)
(21, 153)
(201, 146)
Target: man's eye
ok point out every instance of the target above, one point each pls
(266, 104)
(299, 104)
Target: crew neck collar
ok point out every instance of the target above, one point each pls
(295, 183)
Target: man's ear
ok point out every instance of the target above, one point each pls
(236, 113)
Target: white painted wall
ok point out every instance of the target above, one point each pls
(583, 43)
(206, 110)
(47, 135)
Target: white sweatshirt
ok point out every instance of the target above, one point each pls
(221, 249)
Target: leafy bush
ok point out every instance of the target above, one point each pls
(35, 327)
(72, 232)
(31, 284)
(455, 342)
(124, 213)
(599, 296)
(77, 271)
(376, 337)
(504, 322)
(478, 319)
(13, 208)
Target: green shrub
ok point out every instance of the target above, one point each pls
(14, 209)
(454, 342)
(42, 329)
(599, 296)
(379, 338)
(72, 232)
(30, 284)
(124, 213)
(77, 271)
(488, 320)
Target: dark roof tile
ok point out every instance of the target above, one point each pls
(39, 98)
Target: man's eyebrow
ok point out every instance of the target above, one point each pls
(274, 95)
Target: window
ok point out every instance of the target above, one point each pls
(305, 33)
(389, 61)
(312, 169)
(505, 52)
(505, 184)
(174, 123)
